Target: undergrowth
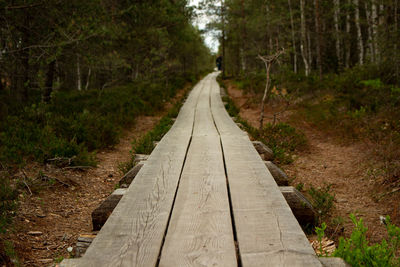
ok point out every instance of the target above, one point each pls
(75, 124)
(359, 104)
(322, 200)
(282, 138)
(357, 250)
(145, 144)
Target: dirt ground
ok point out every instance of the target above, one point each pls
(328, 161)
(50, 220)
(63, 211)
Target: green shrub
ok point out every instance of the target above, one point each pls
(145, 144)
(8, 197)
(357, 251)
(75, 124)
(283, 139)
(230, 107)
(322, 200)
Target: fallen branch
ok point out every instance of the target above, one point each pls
(47, 178)
(26, 177)
(66, 161)
(77, 167)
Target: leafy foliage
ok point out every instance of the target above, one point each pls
(283, 139)
(322, 200)
(230, 107)
(357, 251)
(8, 197)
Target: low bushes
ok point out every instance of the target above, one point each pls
(357, 251)
(145, 144)
(76, 123)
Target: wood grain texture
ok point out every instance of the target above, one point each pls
(133, 234)
(267, 231)
(200, 232)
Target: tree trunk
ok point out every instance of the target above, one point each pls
(375, 30)
(396, 25)
(48, 89)
(243, 48)
(371, 51)
(360, 44)
(319, 39)
(267, 67)
(310, 54)
(337, 31)
(88, 78)
(78, 73)
(223, 37)
(348, 28)
(293, 38)
(303, 43)
(270, 41)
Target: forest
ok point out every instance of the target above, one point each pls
(75, 76)
(332, 86)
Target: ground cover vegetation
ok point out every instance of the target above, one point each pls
(74, 74)
(340, 72)
(342, 68)
(147, 143)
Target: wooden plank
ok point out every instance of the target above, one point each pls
(133, 234)
(200, 232)
(267, 231)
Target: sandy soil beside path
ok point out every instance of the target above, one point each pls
(62, 213)
(329, 162)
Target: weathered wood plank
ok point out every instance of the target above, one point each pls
(267, 231)
(200, 232)
(133, 234)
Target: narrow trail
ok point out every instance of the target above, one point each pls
(329, 162)
(203, 197)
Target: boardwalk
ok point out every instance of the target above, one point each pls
(203, 198)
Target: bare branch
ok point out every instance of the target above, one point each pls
(268, 61)
(23, 7)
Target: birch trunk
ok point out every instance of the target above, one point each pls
(303, 43)
(375, 30)
(371, 51)
(337, 31)
(360, 44)
(223, 37)
(270, 41)
(78, 73)
(310, 55)
(88, 78)
(244, 38)
(319, 39)
(396, 25)
(348, 28)
(293, 38)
